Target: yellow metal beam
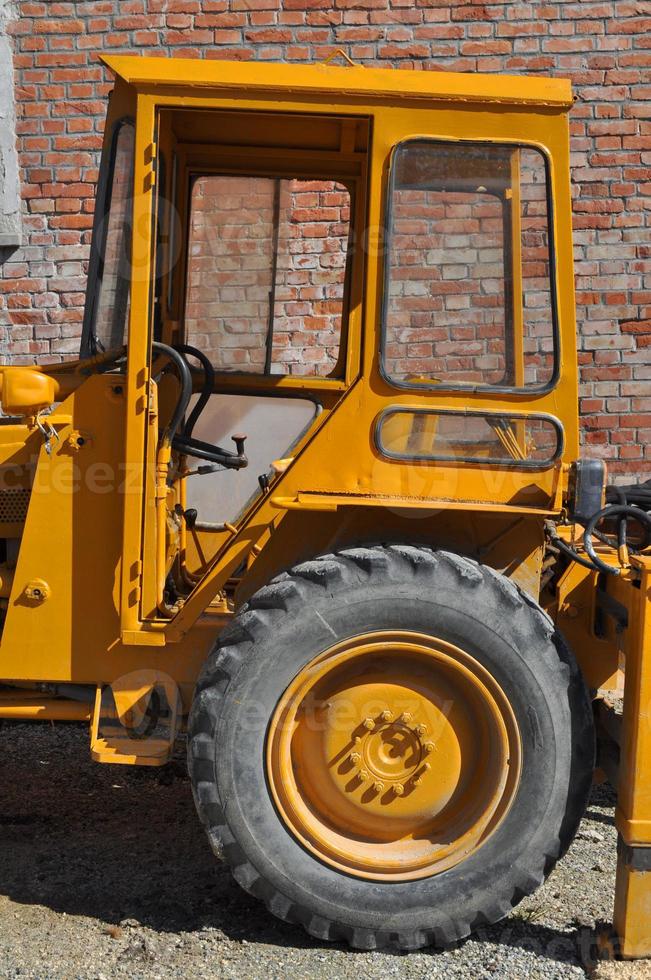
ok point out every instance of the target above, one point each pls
(372, 82)
(632, 913)
(44, 709)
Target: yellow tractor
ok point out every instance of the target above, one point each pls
(311, 491)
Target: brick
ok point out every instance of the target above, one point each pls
(54, 26)
(604, 46)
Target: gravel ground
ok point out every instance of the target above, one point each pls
(105, 872)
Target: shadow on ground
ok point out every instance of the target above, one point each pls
(116, 843)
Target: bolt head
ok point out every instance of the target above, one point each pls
(421, 730)
(363, 775)
(387, 715)
(368, 723)
(378, 786)
(417, 781)
(355, 758)
(428, 747)
(406, 716)
(398, 789)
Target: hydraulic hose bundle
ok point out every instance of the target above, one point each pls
(623, 504)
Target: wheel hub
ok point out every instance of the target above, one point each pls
(393, 755)
(390, 755)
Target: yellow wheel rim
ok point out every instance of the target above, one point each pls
(393, 756)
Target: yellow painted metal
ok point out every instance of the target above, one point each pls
(25, 391)
(575, 612)
(121, 711)
(314, 501)
(633, 817)
(393, 756)
(38, 708)
(515, 203)
(293, 81)
(632, 913)
(631, 937)
(132, 692)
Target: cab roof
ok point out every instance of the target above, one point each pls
(346, 83)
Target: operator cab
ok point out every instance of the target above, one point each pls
(274, 254)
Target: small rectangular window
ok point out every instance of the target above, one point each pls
(528, 441)
(469, 290)
(266, 273)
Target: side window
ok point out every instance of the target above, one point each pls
(114, 242)
(469, 293)
(266, 273)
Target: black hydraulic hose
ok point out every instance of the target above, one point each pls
(634, 495)
(622, 511)
(574, 555)
(185, 377)
(568, 551)
(206, 391)
(626, 503)
(637, 494)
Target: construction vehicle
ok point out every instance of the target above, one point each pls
(389, 619)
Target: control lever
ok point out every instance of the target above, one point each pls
(190, 516)
(239, 441)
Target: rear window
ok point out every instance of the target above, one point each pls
(469, 274)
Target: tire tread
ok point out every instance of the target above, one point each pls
(291, 590)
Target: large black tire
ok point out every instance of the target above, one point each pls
(288, 623)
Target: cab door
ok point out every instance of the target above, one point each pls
(259, 272)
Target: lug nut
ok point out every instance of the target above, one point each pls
(355, 758)
(406, 716)
(387, 715)
(363, 775)
(398, 789)
(417, 781)
(428, 747)
(368, 723)
(378, 787)
(421, 730)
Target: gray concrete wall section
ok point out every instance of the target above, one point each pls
(10, 220)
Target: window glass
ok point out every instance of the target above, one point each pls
(468, 289)
(266, 273)
(114, 232)
(530, 441)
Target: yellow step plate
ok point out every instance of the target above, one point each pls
(111, 741)
(122, 750)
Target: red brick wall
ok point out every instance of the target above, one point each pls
(231, 272)
(451, 310)
(605, 47)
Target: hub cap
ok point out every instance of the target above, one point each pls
(393, 756)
